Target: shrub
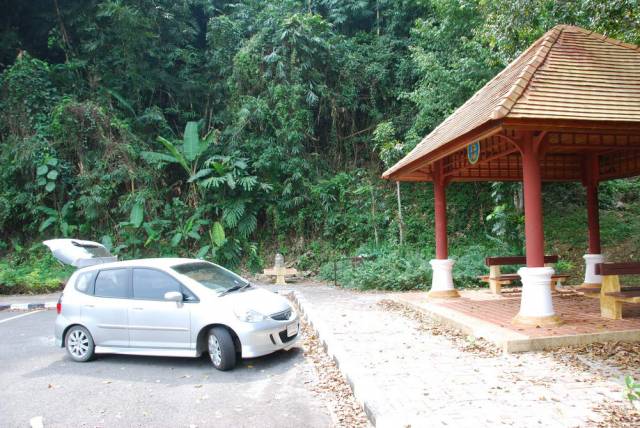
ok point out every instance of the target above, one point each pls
(388, 271)
(32, 271)
(469, 265)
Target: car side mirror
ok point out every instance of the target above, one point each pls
(173, 296)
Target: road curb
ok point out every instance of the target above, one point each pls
(27, 306)
(339, 355)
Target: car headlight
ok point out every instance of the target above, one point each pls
(249, 315)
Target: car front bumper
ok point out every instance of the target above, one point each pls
(267, 337)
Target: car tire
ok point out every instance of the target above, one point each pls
(79, 344)
(221, 349)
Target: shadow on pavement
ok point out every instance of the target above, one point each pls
(170, 370)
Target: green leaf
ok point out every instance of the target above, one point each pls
(48, 222)
(53, 174)
(198, 175)
(137, 215)
(50, 186)
(194, 235)
(41, 181)
(158, 158)
(175, 153)
(121, 100)
(191, 141)
(107, 242)
(49, 211)
(203, 252)
(176, 239)
(42, 170)
(52, 162)
(217, 234)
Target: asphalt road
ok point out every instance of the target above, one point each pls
(38, 379)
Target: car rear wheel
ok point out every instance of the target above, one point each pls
(79, 344)
(221, 349)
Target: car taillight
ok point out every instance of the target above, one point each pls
(59, 305)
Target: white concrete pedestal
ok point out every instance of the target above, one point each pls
(536, 306)
(591, 280)
(442, 281)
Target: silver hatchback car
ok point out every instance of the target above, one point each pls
(166, 307)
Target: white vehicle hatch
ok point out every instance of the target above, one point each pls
(78, 253)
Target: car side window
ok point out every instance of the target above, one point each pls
(151, 284)
(112, 283)
(84, 282)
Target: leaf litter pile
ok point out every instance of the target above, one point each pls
(602, 360)
(606, 360)
(331, 385)
(463, 342)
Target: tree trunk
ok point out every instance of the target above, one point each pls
(373, 215)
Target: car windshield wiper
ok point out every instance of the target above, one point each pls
(235, 288)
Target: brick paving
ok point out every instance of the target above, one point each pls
(581, 315)
(407, 376)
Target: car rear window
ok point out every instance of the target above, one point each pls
(112, 283)
(151, 284)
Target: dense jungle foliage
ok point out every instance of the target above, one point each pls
(230, 130)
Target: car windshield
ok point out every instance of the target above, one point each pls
(211, 276)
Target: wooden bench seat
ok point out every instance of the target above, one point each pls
(508, 278)
(496, 279)
(612, 296)
(626, 296)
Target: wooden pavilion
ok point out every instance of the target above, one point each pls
(567, 109)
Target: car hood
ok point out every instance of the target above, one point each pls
(258, 299)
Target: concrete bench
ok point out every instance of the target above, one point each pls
(496, 279)
(612, 295)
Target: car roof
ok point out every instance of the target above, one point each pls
(161, 263)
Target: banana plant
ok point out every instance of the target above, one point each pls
(186, 153)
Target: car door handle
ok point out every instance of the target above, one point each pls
(89, 306)
(137, 309)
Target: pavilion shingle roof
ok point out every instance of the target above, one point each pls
(569, 73)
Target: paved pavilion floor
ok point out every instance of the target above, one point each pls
(483, 314)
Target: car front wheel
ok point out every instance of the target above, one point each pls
(221, 349)
(79, 344)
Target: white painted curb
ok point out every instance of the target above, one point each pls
(27, 306)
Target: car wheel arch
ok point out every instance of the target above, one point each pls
(69, 327)
(201, 343)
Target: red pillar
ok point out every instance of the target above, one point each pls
(440, 197)
(533, 229)
(593, 214)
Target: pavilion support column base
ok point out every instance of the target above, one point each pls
(537, 321)
(442, 281)
(536, 305)
(591, 280)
